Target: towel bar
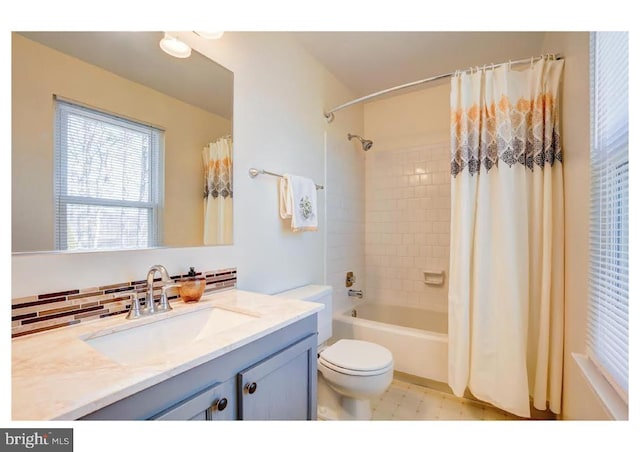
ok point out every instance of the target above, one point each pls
(253, 172)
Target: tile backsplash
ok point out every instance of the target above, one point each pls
(43, 312)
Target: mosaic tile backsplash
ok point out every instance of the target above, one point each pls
(56, 310)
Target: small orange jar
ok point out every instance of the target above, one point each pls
(192, 287)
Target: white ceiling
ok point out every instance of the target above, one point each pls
(367, 62)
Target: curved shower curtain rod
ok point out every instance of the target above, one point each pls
(329, 115)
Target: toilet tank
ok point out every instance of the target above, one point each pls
(317, 294)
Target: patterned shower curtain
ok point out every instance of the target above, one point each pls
(506, 288)
(218, 192)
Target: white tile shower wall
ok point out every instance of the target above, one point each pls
(345, 215)
(407, 225)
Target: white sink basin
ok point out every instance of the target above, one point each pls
(151, 342)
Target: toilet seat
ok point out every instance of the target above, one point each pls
(359, 373)
(354, 357)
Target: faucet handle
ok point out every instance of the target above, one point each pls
(164, 305)
(134, 310)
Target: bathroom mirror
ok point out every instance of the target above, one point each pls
(123, 78)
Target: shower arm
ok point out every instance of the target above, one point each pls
(366, 144)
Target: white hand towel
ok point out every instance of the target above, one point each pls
(299, 201)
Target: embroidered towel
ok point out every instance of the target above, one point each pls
(299, 201)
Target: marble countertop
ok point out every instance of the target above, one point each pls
(56, 375)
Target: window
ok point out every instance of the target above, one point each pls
(608, 328)
(107, 180)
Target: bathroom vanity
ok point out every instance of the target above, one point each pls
(233, 355)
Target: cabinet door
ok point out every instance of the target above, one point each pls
(217, 402)
(281, 387)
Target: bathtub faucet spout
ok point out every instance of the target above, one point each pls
(355, 293)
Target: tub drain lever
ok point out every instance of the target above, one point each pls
(355, 293)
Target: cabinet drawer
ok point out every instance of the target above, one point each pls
(217, 402)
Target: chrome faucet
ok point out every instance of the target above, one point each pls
(135, 310)
(355, 293)
(150, 305)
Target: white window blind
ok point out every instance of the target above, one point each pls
(608, 327)
(107, 180)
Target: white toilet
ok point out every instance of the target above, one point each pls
(350, 372)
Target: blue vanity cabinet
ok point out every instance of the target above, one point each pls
(273, 377)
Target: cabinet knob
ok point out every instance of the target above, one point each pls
(251, 387)
(220, 405)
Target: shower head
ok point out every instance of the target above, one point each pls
(366, 144)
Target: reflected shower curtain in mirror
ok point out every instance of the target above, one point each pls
(506, 288)
(218, 192)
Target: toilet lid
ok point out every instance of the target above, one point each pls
(357, 355)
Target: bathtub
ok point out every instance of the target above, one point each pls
(417, 338)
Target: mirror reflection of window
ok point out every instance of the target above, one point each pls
(127, 75)
(107, 178)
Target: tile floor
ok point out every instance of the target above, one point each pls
(405, 401)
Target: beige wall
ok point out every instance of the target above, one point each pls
(38, 73)
(579, 401)
(408, 197)
(411, 119)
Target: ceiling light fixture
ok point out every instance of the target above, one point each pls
(209, 34)
(174, 47)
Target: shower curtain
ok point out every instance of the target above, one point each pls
(218, 192)
(506, 288)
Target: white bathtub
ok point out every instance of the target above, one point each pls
(416, 337)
